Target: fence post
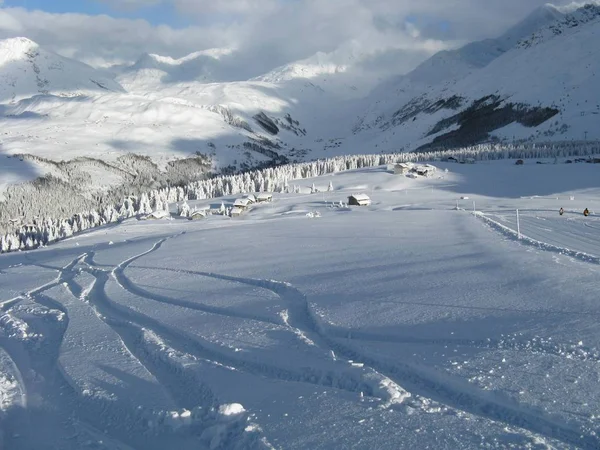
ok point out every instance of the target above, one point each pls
(473, 205)
(518, 226)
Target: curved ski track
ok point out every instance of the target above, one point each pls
(132, 325)
(420, 381)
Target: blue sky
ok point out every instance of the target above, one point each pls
(162, 13)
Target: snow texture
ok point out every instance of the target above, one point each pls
(408, 323)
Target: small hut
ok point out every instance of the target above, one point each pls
(425, 170)
(236, 212)
(359, 200)
(264, 197)
(157, 215)
(519, 162)
(241, 203)
(198, 214)
(251, 198)
(401, 168)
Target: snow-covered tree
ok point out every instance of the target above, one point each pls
(183, 210)
(144, 205)
(65, 229)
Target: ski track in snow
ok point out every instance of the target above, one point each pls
(421, 382)
(543, 245)
(437, 387)
(150, 341)
(198, 347)
(181, 382)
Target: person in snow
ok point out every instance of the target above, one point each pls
(561, 211)
(586, 212)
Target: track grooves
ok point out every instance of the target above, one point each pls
(438, 387)
(187, 390)
(445, 390)
(197, 346)
(125, 283)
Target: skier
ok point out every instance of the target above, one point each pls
(561, 211)
(586, 212)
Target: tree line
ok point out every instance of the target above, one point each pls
(44, 231)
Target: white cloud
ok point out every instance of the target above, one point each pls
(225, 7)
(269, 33)
(130, 4)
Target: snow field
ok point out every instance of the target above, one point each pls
(404, 324)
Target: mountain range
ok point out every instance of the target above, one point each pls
(535, 82)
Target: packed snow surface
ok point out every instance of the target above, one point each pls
(306, 323)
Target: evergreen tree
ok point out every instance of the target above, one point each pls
(184, 210)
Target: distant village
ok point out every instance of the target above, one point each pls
(245, 203)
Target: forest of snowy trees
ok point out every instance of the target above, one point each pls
(43, 231)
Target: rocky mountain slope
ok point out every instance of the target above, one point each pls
(538, 81)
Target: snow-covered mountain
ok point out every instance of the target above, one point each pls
(26, 69)
(320, 64)
(509, 88)
(151, 71)
(449, 65)
(537, 81)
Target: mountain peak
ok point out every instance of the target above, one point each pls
(154, 61)
(16, 48)
(28, 69)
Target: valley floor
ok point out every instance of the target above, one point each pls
(405, 324)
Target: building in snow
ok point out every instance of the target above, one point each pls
(520, 162)
(198, 214)
(264, 197)
(251, 198)
(425, 170)
(236, 212)
(359, 200)
(241, 203)
(156, 215)
(401, 168)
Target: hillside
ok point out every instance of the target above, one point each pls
(184, 118)
(545, 68)
(26, 69)
(151, 71)
(305, 324)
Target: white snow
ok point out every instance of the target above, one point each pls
(231, 410)
(26, 69)
(433, 318)
(60, 109)
(408, 324)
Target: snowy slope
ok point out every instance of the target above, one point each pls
(26, 69)
(405, 324)
(174, 108)
(338, 73)
(151, 70)
(447, 67)
(547, 61)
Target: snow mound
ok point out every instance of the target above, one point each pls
(232, 409)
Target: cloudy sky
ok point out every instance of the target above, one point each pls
(265, 33)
